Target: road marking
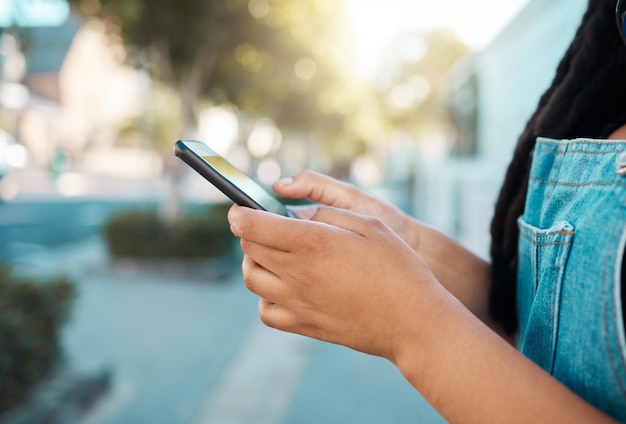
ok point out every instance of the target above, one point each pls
(258, 385)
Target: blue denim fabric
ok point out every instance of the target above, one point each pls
(571, 246)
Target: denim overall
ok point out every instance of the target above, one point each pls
(571, 245)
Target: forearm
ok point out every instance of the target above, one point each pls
(471, 375)
(461, 272)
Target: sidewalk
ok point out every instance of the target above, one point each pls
(188, 351)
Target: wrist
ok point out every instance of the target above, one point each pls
(440, 360)
(432, 310)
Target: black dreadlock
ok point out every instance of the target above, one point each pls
(587, 95)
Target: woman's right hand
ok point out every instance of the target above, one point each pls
(460, 271)
(328, 191)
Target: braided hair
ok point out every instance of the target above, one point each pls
(587, 95)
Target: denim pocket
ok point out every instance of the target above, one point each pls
(543, 255)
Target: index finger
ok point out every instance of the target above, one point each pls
(318, 188)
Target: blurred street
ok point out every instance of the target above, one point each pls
(43, 212)
(92, 98)
(185, 349)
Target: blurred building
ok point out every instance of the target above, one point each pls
(79, 92)
(492, 95)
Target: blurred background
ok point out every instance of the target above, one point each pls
(120, 294)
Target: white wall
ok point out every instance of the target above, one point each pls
(458, 195)
(518, 67)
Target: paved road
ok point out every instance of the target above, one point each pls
(190, 351)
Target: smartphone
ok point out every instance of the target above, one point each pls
(238, 186)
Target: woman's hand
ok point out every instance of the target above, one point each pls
(330, 192)
(461, 272)
(341, 277)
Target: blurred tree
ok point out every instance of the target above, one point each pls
(303, 77)
(285, 60)
(414, 96)
(275, 58)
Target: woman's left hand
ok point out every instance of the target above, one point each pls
(339, 277)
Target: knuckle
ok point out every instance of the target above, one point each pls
(244, 228)
(304, 178)
(267, 319)
(247, 268)
(304, 174)
(318, 192)
(266, 315)
(307, 174)
(245, 245)
(374, 223)
(352, 193)
(311, 181)
(248, 281)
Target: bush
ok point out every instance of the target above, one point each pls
(31, 316)
(143, 234)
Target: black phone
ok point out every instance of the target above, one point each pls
(238, 186)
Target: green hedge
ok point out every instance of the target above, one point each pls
(144, 234)
(32, 314)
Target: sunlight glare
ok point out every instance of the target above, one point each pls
(376, 23)
(219, 127)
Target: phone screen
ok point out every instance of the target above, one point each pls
(246, 184)
(238, 186)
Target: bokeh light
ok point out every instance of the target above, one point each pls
(268, 171)
(218, 126)
(264, 138)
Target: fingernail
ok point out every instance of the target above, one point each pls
(233, 213)
(304, 212)
(284, 181)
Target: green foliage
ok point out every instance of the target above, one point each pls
(245, 52)
(443, 51)
(144, 234)
(31, 316)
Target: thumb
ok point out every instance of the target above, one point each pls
(304, 211)
(348, 220)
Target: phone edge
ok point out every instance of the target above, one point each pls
(212, 176)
